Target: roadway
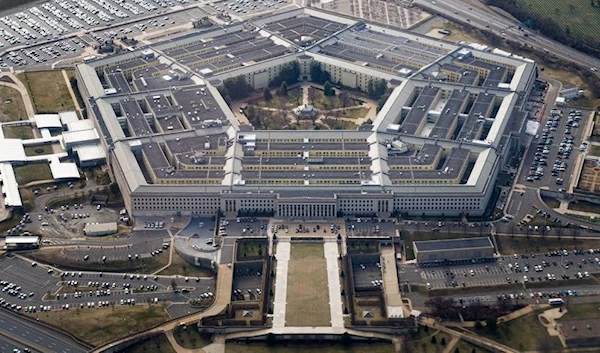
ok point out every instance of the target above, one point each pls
(486, 19)
(39, 338)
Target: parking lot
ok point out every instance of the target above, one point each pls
(142, 246)
(162, 23)
(49, 20)
(248, 7)
(246, 226)
(247, 281)
(200, 234)
(520, 269)
(68, 220)
(367, 271)
(558, 139)
(44, 289)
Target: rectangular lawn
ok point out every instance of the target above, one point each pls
(23, 132)
(307, 292)
(48, 91)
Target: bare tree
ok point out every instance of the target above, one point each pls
(312, 95)
(345, 99)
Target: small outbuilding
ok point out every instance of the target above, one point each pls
(22, 242)
(98, 229)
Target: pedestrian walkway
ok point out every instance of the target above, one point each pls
(279, 304)
(333, 278)
(393, 300)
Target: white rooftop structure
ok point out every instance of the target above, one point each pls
(12, 151)
(63, 170)
(68, 117)
(48, 121)
(31, 239)
(10, 188)
(80, 125)
(72, 138)
(87, 152)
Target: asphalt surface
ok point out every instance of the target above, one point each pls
(489, 20)
(507, 269)
(34, 336)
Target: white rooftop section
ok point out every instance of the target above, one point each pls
(68, 117)
(47, 121)
(10, 188)
(33, 239)
(63, 170)
(12, 151)
(77, 137)
(80, 125)
(89, 152)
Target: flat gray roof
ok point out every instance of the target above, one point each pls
(419, 110)
(453, 244)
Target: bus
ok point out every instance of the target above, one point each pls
(556, 301)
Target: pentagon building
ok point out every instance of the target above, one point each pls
(435, 148)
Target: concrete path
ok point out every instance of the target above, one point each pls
(20, 86)
(284, 248)
(71, 92)
(391, 287)
(333, 278)
(450, 347)
(222, 300)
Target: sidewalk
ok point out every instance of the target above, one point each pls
(281, 276)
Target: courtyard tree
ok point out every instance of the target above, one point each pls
(237, 87)
(267, 94)
(317, 74)
(345, 99)
(283, 89)
(328, 89)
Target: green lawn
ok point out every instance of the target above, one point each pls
(582, 311)
(339, 124)
(520, 244)
(291, 100)
(142, 265)
(365, 247)
(585, 206)
(308, 298)
(154, 344)
(48, 91)
(356, 113)
(466, 347)
(524, 333)
(38, 150)
(594, 150)
(100, 325)
(551, 202)
(250, 250)
(581, 19)
(22, 132)
(32, 172)
(190, 337)
(324, 102)
(11, 105)
(181, 267)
